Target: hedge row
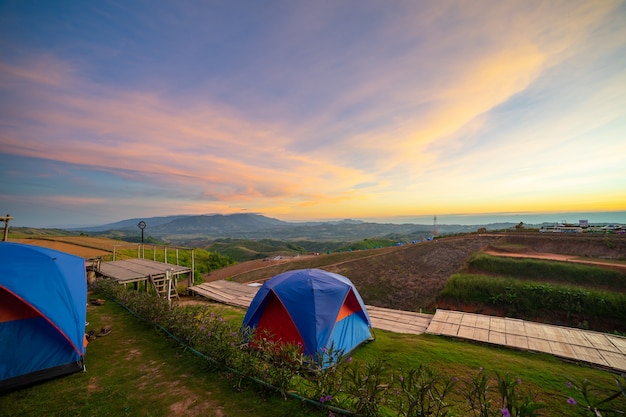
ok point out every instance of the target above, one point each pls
(570, 273)
(528, 298)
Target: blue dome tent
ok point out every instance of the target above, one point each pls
(313, 308)
(43, 298)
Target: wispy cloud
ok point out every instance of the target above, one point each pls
(329, 110)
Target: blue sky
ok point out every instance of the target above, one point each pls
(310, 110)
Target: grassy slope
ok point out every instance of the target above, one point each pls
(141, 351)
(136, 371)
(544, 375)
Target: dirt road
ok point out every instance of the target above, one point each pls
(555, 257)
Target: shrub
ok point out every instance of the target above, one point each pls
(591, 400)
(497, 395)
(367, 389)
(527, 298)
(562, 272)
(423, 392)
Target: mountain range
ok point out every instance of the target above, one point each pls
(256, 226)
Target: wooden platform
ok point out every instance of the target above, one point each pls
(574, 344)
(138, 270)
(581, 345)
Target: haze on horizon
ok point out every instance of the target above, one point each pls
(310, 110)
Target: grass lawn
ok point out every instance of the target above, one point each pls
(138, 371)
(543, 375)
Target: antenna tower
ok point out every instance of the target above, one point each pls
(435, 229)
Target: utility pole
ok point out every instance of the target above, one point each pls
(6, 219)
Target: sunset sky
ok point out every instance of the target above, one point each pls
(310, 110)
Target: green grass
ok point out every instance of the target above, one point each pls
(138, 371)
(204, 261)
(544, 375)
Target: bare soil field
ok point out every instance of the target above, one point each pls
(240, 268)
(74, 249)
(557, 257)
(411, 276)
(575, 244)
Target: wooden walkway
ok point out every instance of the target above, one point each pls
(574, 344)
(227, 292)
(581, 345)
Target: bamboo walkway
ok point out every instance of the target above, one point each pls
(573, 344)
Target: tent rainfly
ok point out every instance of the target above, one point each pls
(313, 308)
(43, 298)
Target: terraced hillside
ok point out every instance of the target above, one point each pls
(411, 277)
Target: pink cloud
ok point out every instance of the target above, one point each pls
(144, 135)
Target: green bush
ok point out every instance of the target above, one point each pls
(204, 261)
(538, 270)
(529, 298)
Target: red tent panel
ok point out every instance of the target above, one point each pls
(12, 308)
(277, 321)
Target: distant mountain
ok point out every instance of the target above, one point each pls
(218, 223)
(256, 227)
(130, 224)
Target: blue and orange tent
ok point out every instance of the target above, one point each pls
(43, 298)
(313, 308)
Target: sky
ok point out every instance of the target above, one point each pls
(310, 110)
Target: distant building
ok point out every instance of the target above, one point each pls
(582, 227)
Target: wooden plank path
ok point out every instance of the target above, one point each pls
(227, 292)
(602, 349)
(398, 321)
(574, 344)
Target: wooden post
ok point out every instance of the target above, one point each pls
(193, 267)
(168, 285)
(6, 219)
